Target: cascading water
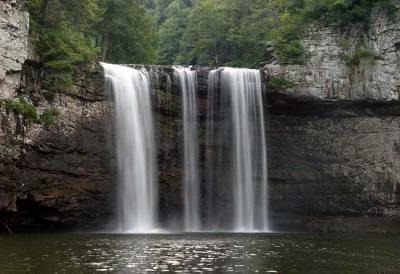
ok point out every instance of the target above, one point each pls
(135, 144)
(191, 186)
(234, 197)
(211, 156)
(243, 129)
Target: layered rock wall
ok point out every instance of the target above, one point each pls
(326, 75)
(57, 174)
(330, 161)
(333, 135)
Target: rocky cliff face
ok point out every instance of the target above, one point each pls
(14, 31)
(56, 174)
(356, 62)
(333, 138)
(331, 161)
(334, 134)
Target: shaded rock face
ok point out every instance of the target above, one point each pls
(325, 73)
(336, 160)
(59, 176)
(14, 31)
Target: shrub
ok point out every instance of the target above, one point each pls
(23, 108)
(50, 95)
(358, 56)
(48, 117)
(280, 82)
(290, 51)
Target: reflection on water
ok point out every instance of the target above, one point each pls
(199, 253)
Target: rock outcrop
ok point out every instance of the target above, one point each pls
(58, 175)
(357, 62)
(333, 129)
(14, 32)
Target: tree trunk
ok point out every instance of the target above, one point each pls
(105, 47)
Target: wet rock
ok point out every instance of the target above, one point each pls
(333, 159)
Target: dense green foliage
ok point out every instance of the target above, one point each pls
(71, 33)
(172, 20)
(235, 32)
(213, 32)
(128, 32)
(60, 37)
(344, 12)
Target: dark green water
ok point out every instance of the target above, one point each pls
(199, 253)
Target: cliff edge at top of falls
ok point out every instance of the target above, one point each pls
(355, 62)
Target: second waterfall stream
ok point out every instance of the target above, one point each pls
(223, 185)
(187, 80)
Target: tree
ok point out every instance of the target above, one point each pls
(216, 33)
(72, 33)
(128, 32)
(161, 6)
(171, 31)
(63, 33)
(204, 38)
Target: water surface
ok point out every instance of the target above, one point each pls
(199, 253)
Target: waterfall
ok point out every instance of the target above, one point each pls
(191, 186)
(212, 155)
(243, 129)
(136, 156)
(234, 194)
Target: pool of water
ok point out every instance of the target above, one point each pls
(199, 253)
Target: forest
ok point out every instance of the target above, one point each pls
(68, 33)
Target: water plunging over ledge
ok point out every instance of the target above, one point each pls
(136, 155)
(235, 96)
(241, 106)
(191, 189)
